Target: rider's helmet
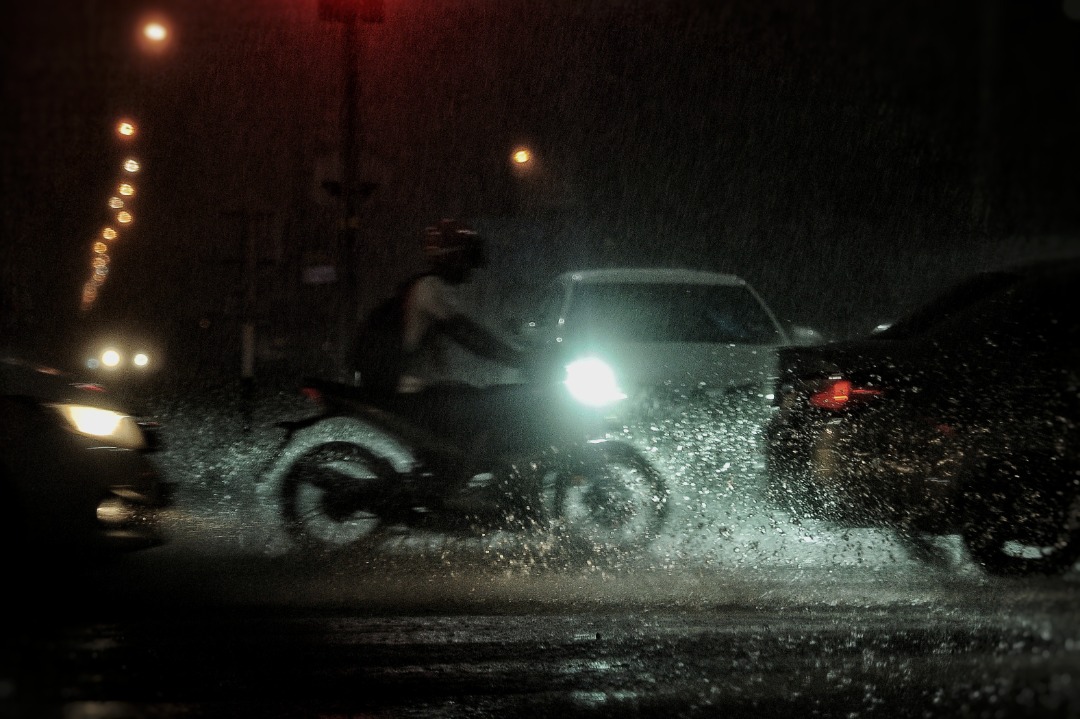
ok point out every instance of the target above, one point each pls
(451, 242)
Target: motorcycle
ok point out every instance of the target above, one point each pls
(353, 471)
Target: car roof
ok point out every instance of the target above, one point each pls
(652, 274)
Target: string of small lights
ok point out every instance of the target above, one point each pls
(153, 38)
(121, 217)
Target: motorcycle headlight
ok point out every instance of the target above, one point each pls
(119, 429)
(592, 382)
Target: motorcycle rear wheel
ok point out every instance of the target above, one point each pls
(619, 506)
(325, 495)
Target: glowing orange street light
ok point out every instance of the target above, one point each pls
(109, 233)
(89, 294)
(523, 162)
(125, 129)
(154, 34)
(131, 165)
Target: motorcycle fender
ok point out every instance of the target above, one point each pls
(335, 428)
(341, 429)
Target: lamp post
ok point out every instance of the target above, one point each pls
(350, 13)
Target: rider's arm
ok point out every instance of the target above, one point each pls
(480, 340)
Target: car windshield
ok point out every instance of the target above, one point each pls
(669, 312)
(626, 446)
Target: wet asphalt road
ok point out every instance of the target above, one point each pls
(234, 636)
(738, 611)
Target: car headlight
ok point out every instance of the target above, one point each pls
(119, 429)
(592, 382)
(110, 358)
(114, 359)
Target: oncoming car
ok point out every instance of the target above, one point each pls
(116, 358)
(114, 355)
(76, 473)
(658, 335)
(112, 358)
(680, 361)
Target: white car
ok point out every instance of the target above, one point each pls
(661, 333)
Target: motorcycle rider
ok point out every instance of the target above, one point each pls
(432, 391)
(435, 315)
(442, 446)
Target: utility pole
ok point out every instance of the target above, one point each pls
(350, 13)
(251, 232)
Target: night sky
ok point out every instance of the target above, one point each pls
(845, 157)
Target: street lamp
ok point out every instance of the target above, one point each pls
(527, 174)
(153, 34)
(523, 161)
(522, 156)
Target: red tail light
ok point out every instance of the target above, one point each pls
(311, 394)
(88, 386)
(840, 394)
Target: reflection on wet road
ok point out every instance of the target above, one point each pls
(172, 633)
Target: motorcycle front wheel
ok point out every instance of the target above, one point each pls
(615, 501)
(329, 495)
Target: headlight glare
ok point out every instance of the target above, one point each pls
(119, 429)
(110, 358)
(592, 382)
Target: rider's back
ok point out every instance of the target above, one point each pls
(379, 347)
(420, 346)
